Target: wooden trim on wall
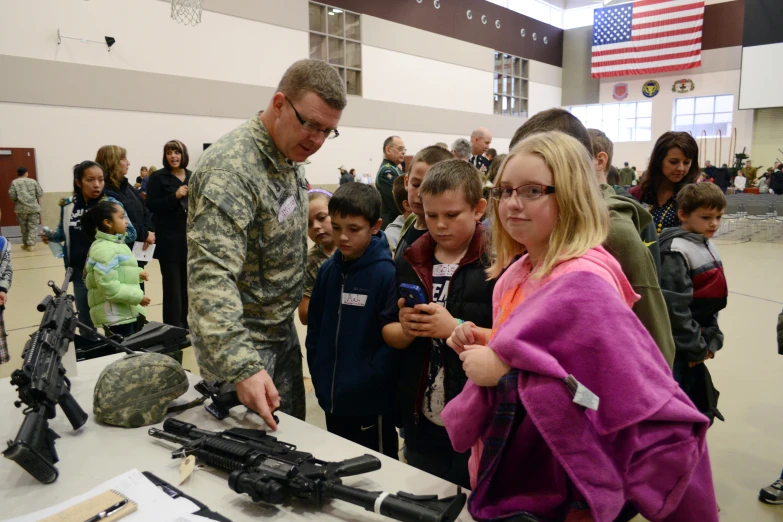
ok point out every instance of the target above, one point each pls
(723, 25)
(451, 20)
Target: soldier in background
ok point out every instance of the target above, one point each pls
(480, 140)
(393, 155)
(247, 241)
(750, 172)
(26, 193)
(627, 175)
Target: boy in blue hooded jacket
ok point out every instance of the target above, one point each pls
(354, 372)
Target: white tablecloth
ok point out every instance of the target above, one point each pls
(96, 453)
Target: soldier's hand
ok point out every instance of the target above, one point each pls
(259, 393)
(3, 296)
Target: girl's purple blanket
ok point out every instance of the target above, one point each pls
(646, 443)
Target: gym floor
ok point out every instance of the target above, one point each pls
(746, 450)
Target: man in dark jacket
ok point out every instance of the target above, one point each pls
(776, 183)
(354, 372)
(722, 178)
(393, 155)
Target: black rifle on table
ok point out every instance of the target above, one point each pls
(272, 471)
(42, 385)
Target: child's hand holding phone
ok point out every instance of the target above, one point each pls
(406, 318)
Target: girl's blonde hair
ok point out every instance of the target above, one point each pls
(583, 220)
(109, 157)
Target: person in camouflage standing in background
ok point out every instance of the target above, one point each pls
(247, 241)
(25, 193)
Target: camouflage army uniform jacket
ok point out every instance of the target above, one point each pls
(26, 192)
(247, 247)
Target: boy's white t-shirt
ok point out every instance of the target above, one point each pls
(435, 394)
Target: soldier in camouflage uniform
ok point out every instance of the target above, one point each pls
(247, 243)
(750, 172)
(25, 193)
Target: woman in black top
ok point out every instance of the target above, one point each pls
(167, 199)
(114, 161)
(674, 163)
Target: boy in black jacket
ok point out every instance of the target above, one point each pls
(695, 290)
(354, 372)
(448, 264)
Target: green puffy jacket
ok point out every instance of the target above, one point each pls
(112, 279)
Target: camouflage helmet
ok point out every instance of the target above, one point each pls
(137, 390)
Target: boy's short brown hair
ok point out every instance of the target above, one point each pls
(553, 120)
(694, 196)
(601, 143)
(432, 155)
(453, 175)
(399, 193)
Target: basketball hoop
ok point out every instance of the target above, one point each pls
(186, 12)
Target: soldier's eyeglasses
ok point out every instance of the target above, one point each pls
(312, 128)
(532, 191)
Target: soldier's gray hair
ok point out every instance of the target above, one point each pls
(462, 148)
(317, 77)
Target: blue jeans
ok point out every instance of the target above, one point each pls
(82, 306)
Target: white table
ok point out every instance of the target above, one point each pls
(96, 453)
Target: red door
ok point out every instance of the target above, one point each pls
(10, 160)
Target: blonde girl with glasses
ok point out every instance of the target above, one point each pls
(570, 408)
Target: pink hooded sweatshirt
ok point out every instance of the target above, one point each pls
(646, 442)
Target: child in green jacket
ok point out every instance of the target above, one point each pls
(112, 275)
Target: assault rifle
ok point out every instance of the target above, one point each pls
(272, 471)
(42, 385)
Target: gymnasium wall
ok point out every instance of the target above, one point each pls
(718, 74)
(163, 80)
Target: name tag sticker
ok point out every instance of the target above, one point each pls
(354, 300)
(286, 209)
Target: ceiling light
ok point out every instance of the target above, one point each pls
(337, 10)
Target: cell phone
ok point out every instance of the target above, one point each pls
(412, 294)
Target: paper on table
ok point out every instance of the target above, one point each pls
(154, 504)
(142, 255)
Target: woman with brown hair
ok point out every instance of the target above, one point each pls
(167, 199)
(114, 161)
(674, 163)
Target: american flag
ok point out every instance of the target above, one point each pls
(647, 37)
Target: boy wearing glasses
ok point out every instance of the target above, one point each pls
(447, 263)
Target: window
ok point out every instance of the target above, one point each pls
(620, 121)
(335, 37)
(705, 114)
(510, 91)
